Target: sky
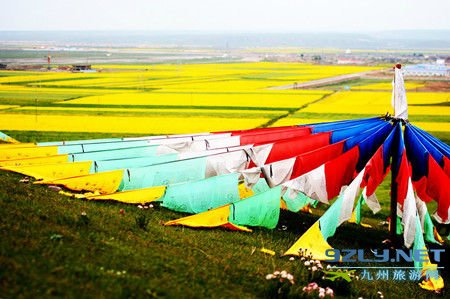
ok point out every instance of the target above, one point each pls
(225, 15)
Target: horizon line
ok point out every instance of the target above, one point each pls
(226, 30)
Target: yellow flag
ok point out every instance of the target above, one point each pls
(35, 161)
(283, 205)
(214, 218)
(53, 171)
(16, 145)
(432, 282)
(353, 220)
(313, 240)
(28, 152)
(244, 192)
(140, 196)
(103, 182)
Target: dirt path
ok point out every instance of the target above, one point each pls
(325, 81)
(292, 111)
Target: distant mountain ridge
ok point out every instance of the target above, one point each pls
(399, 39)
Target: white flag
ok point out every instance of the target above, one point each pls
(399, 102)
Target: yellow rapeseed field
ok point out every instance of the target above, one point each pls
(37, 89)
(182, 98)
(285, 100)
(236, 76)
(124, 124)
(433, 126)
(156, 111)
(348, 102)
(37, 77)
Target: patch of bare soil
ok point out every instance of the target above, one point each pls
(437, 86)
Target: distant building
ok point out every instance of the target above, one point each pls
(82, 68)
(3, 66)
(427, 70)
(344, 60)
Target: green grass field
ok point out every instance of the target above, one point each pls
(49, 249)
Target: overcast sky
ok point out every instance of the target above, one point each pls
(225, 15)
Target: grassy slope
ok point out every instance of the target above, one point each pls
(48, 250)
(162, 261)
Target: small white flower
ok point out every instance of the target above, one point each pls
(379, 293)
(314, 268)
(290, 277)
(306, 263)
(321, 290)
(283, 275)
(276, 273)
(329, 292)
(303, 258)
(292, 258)
(269, 276)
(360, 298)
(83, 213)
(151, 206)
(381, 296)
(328, 267)
(140, 207)
(321, 295)
(283, 272)
(317, 261)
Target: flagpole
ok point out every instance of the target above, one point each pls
(394, 172)
(393, 216)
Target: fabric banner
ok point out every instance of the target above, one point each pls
(93, 147)
(261, 210)
(30, 152)
(106, 165)
(203, 195)
(103, 182)
(52, 171)
(164, 174)
(140, 196)
(399, 102)
(114, 154)
(57, 159)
